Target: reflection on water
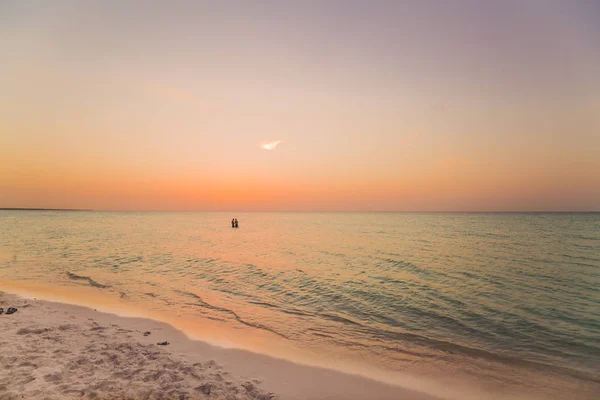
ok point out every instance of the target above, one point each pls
(507, 301)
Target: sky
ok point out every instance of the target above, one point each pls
(300, 106)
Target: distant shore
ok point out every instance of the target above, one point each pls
(43, 209)
(56, 350)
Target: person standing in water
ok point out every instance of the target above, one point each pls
(236, 223)
(233, 223)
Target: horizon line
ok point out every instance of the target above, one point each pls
(307, 211)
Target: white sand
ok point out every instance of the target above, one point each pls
(55, 351)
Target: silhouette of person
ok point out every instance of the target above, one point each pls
(236, 223)
(233, 223)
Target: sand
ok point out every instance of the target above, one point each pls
(53, 350)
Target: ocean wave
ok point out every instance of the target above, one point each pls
(284, 310)
(201, 303)
(88, 279)
(473, 352)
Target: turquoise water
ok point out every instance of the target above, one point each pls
(509, 303)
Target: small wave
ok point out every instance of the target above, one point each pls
(337, 318)
(264, 304)
(284, 310)
(397, 349)
(124, 260)
(322, 335)
(88, 279)
(201, 303)
(295, 312)
(455, 348)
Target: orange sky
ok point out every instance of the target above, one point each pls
(412, 107)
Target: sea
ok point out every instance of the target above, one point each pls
(460, 305)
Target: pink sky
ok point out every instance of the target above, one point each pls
(469, 106)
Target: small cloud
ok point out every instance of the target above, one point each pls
(270, 145)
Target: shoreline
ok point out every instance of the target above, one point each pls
(255, 341)
(64, 350)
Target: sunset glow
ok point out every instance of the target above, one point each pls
(432, 107)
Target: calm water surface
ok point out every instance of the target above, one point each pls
(507, 303)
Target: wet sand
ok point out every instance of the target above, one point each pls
(53, 350)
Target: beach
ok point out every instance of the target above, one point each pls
(54, 350)
(360, 306)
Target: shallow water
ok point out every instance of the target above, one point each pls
(506, 303)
